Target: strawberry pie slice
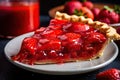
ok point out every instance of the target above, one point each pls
(66, 39)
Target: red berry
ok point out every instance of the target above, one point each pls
(51, 33)
(96, 12)
(105, 20)
(114, 17)
(30, 44)
(74, 45)
(52, 54)
(40, 30)
(52, 45)
(110, 74)
(72, 36)
(111, 15)
(74, 54)
(118, 30)
(88, 4)
(119, 17)
(41, 55)
(71, 6)
(57, 24)
(96, 38)
(79, 27)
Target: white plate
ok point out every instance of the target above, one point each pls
(110, 54)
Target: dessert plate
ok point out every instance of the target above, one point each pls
(110, 53)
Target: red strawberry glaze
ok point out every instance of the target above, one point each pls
(71, 40)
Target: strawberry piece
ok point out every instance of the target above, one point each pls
(110, 74)
(57, 24)
(30, 45)
(74, 46)
(119, 17)
(71, 45)
(118, 30)
(40, 30)
(72, 36)
(71, 6)
(52, 33)
(108, 13)
(40, 55)
(71, 41)
(96, 12)
(79, 27)
(73, 54)
(52, 45)
(96, 38)
(88, 4)
(105, 20)
(52, 54)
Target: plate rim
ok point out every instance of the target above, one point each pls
(66, 72)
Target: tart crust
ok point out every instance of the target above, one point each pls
(109, 31)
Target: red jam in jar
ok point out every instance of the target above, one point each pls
(17, 18)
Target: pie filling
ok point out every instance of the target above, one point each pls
(61, 41)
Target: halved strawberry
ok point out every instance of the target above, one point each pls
(73, 54)
(54, 44)
(108, 13)
(96, 38)
(52, 33)
(96, 12)
(88, 4)
(57, 24)
(74, 46)
(30, 45)
(40, 55)
(40, 30)
(79, 27)
(71, 6)
(71, 41)
(110, 74)
(118, 30)
(72, 36)
(52, 54)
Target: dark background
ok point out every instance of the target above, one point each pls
(46, 5)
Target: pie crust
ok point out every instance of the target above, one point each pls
(103, 27)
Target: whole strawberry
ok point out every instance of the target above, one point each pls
(105, 20)
(117, 10)
(118, 29)
(109, 14)
(119, 18)
(110, 74)
(71, 6)
(96, 12)
(88, 4)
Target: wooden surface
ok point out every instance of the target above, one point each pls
(61, 8)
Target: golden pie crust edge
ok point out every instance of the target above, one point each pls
(109, 31)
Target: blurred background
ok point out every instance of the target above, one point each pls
(46, 5)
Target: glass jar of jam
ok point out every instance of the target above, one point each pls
(18, 17)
